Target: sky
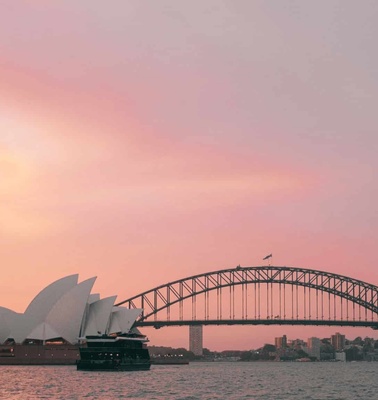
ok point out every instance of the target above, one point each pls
(144, 142)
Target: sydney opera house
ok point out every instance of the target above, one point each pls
(57, 320)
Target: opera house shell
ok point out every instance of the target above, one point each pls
(57, 319)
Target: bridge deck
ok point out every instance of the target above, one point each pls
(160, 324)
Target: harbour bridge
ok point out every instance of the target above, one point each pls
(261, 295)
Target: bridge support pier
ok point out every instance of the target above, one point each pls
(196, 339)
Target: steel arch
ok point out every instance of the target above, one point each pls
(361, 293)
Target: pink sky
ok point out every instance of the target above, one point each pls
(144, 142)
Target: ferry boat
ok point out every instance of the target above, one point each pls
(126, 352)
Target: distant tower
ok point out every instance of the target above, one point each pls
(313, 347)
(196, 339)
(338, 341)
(281, 342)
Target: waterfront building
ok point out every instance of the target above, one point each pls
(57, 320)
(280, 342)
(313, 347)
(196, 339)
(297, 344)
(338, 341)
(340, 356)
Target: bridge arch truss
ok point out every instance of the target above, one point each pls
(262, 294)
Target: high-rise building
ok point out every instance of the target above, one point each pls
(280, 342)
(338, 341)
(313, 347)
(196, 339)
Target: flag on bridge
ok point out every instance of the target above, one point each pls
(268, 256)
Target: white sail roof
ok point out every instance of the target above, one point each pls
(114, 326)
(67, 314)
(41, 305)
(43, 332)
(98, 316)
(7, 317)
(66, 309)
(39, 308)
(122, 319)
(93, 297)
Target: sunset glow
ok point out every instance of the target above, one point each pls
(147, 142)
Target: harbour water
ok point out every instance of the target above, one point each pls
(217, 380)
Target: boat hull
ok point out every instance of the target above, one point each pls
(111, 366)
(114, 354)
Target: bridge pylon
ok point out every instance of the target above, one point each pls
(196, 339)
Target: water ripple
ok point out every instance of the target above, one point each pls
(197, 381)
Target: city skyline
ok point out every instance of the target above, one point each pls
(147, 142)
(338, 341)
